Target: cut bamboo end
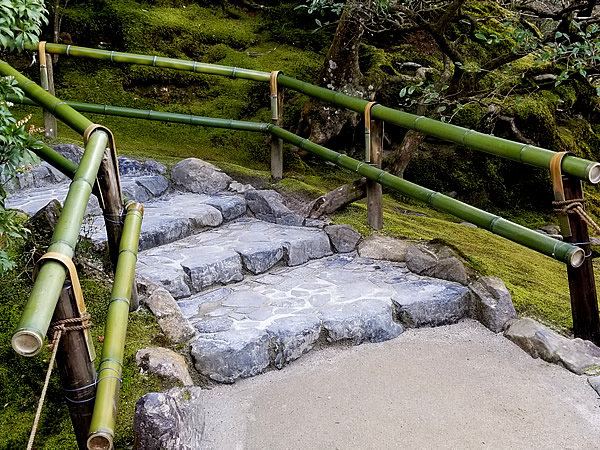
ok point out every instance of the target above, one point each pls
(594, 174)
(27, 342)
(577, 258)
(100, 441)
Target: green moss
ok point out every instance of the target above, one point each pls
(469, 116)
(22, 378)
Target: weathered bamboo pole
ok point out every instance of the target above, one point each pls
(47, 82)
(582, 286)
(374, 190)
(276, 119)
(156, 61)
(33, 326)
(104, 418)
(76, 367)
(562, 251)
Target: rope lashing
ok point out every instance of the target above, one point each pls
(58, 328)
(575, 206)
(368, 130)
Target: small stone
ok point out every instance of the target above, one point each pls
(378, 246)
(491, 303)
(269, 206)
(212, 265)
(229, 355)
(134, 191)
(239, 188)
(576, 355)
(165, 309)
(165, 363)
(195, 175)
(70, 151)
(436, 262)
(151, 166)
(172, 420)
(231, 206)
(430, 303)
(314, 223)
(343, 237)
(155, 185)
(44, 222)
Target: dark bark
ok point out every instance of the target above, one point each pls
(341, 72)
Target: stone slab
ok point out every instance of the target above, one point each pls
(342, 298)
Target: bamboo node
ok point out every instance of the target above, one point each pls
(575, 206)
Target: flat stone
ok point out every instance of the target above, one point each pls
(156, 185)
(430, 302)
(212, 265)
(491, 304)
(293, 336)
(268, 205)
(361, 320)
(164, 363)
(165, 309)
(134, 191)
(172, 420)
(214, 325)
(377, 246)
(167, 274)
(230, 206)
(577, 355)
(245, 299)
(343, 237)
(195, 175)
(229, 355)
(194, 308)
(259, 259)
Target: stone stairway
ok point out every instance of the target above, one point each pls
(248, 283)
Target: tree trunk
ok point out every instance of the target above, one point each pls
(341, 72)
(406, 151)
(338, 198)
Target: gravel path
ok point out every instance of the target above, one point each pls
(457, 386)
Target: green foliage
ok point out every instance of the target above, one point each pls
(20, 22)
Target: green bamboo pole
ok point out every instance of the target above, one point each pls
(43, 98)
(562, 251)
(55, 159)
(147, 114)
(156, 61)
(104, 417)
(33, 326)
(527, 154)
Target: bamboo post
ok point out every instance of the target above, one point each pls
(76, 367)
(374, 156)
(47, 83)
(276, 117)
(104, 417)
(582, 287)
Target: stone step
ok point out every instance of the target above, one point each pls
(271, 319)
(226, 254)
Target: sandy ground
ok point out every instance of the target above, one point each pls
(457, 387)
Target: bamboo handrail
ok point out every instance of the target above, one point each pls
(544, 244)
(104, 417)
(35, 320)
(515, 151)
